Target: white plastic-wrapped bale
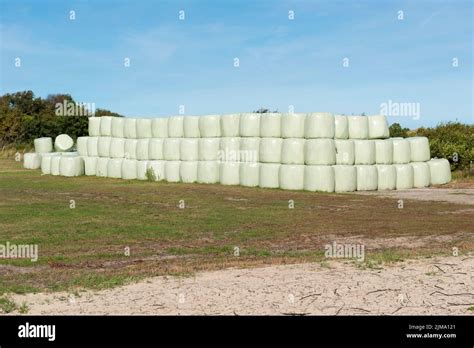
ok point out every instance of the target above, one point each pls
(176, 127)
(129, 169)
(341, 127)
(142, 149)
(55, 165)
(118, 124)
(172, 171)
(142, 168)
(130, 148)
(101, 166)
(320, 152)
(90, 165)
(229, 173)
(250, 125)
(419, 149)
(364, 151)
(319, 178)
(292, 177)
(114, 168)
(130, 128)
(210, 126)
(249, 174)
(249, 149)
(345, 153)
(43, 145)
(270, 125)
(94, 126)
(191, 127)
(269, 175)
(367, 178)
(144, 128)
(440, 171)
(81, 144)
(63, 143)
(292, 125)
(345, 178)
(156, 169)
(292, 151)
(208, 172)
(208, 149)
(189, 149)
(188, 171)
(404, 176)
(155, 149)
(421, 174)
(46, 162)
(117, 147)
(159, 127)
(401, 151)
(387, 177)
(171, 149)
(358, 127)
(384, 151)
(71, 166)
(93, 146)
(319, 125)
(270, 150)
(230, 125)
(378, 127)
(103, 146)
(32, 160)
(229, 149)
(106, 126)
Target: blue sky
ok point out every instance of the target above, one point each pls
(283, 62)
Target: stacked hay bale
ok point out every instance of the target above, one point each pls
(294, 151)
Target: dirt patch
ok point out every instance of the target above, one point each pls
(457, 196)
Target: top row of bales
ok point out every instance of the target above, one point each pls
(265, 125)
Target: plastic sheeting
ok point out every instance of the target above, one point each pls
(117, 148)
(341, 127)
(118, 124)
(319, 178)
(345, 152)
(176, 127)
(90, 165)
(130, 148)
(229, 149)
(189, 149)
(71, 166)
(208, 172)
(208, 149)
(367, 178)
(55, 165)
(270, 150)
(81, 144)
(320, 152)
(440, 171)
(269, 175)
(156, 170)
(114, 168)
(103, 146)
(32, 160)
(229, 173)
(155, 149)
(142, 149)
(364, 151)
(230, 125)
(159, 127)
(142, 168)
(292, 125)
(345, 178)
(378, 127)
(404, 176)
(188, 171)
(101, 166)
(172, 171)
(129, 169)
(319, 125)
(270, 125)
(250, 125)
(249, 149)
(171, 149)
(387, 177)
(191, 127)
(401, 151)
(63, 143)
(210, 126)
(46, 162)
(419, 149)
(144, 128)
(249, 174)
(358, 127)
(384, 151)
(43, 145)
(106, 126)
(292, 151)
(130, 128)
(94, 126)
(292, 177)
(421, 174)
(92, 146)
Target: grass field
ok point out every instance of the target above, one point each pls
(85, 246)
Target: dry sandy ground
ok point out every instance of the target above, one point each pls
(439, 285)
